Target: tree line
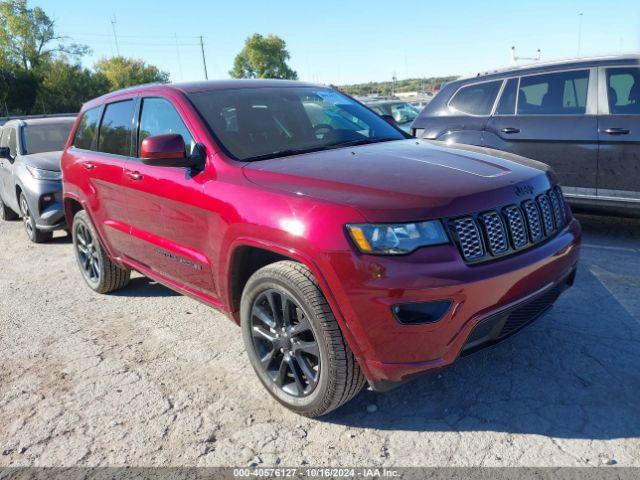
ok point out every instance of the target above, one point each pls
(40, 71)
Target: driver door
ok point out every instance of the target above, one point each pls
(8, 139)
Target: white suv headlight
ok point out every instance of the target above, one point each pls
(41, 174)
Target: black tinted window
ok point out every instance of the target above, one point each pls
(115, 130)
(623, 86)
(159, 117)
(46, 137)
(563, 93)
(87, 132)
(475, 99)
(507, 103)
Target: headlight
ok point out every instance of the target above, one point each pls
(41, 174)
(396, 239)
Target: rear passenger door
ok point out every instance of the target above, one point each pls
(465, 115)
(552, 118)
(101, 145)
(619, 133)
(169, 228)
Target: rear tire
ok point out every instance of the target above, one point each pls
(34, 234)
(276, 341)
(6, 213)
(98, 270)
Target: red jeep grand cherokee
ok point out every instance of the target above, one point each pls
(346, 251)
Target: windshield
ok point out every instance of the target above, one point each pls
(45, 137)
(260, 123)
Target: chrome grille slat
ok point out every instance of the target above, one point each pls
(563, 205)
(555, 206)
(494, 233)
(516, 226)
(469, 238)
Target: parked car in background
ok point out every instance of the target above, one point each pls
(30, 176)
(403, 113)
(346, 252)
(580, 116)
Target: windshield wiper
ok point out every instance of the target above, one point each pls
(362, 141)
(284, 153)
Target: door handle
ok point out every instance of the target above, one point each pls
(89, 165)
(135, 176)
(616, 131)
(510, 130)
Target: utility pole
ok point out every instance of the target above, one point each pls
(115, 36)
(579, 32)
(204, 61)
(178, 53)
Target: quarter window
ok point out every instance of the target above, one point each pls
(115, 130)
(623, 88)
(475, 99)
(563, 93)
(159, 117)
(87, 132)
(13, 142)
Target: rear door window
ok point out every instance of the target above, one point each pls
(623, 90)
(476, 99)
(87, 133)
(562, 93)
(115, 129)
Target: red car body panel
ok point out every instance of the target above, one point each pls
(183, 230)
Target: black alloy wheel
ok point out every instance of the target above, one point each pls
(284, 342)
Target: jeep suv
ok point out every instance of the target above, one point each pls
(347, 254)
(581, 117)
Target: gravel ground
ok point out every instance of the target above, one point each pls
(146, 377)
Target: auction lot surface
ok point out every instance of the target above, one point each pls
(146, 377)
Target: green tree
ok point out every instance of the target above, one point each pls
(263, 57)
(64, 87)
(121, 72)
(17, 92)
(28, 38)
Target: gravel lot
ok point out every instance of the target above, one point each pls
(147, 377)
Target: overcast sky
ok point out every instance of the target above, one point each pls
(349, 41)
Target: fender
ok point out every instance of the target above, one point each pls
(306, 260)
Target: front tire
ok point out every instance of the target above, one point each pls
(294, 342)
(34, 234)
(98, 270)
(6, 213)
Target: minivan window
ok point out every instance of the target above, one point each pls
(87, 133)
(159, 117)
(259, 123)
(45, 137)
(623, 88)
(115, 129)
(476, 99)
(562, 93)
(507, 103)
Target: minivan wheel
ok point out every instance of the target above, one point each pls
(35, 235)
(6, 213)
(294, 342)
(98, 271)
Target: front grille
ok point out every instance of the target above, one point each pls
(494, 233)
(469, 238)
(486, 235)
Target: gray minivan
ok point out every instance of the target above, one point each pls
(580, 116)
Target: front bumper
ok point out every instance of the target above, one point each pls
(392, 352)
(45, 202)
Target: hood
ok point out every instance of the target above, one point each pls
(406, 180)
(44, 160)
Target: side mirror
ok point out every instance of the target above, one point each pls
(389, 119)
(5, 153)
(165, 151)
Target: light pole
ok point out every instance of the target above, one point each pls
(115, 36)
(579, 32)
